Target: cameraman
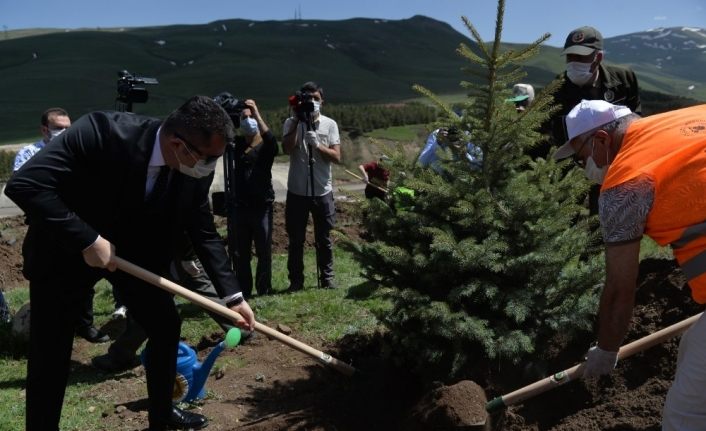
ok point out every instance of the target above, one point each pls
(255, 151)
(312, 142)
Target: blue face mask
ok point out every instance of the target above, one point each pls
(249, 126)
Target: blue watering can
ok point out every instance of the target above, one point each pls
(191, 375)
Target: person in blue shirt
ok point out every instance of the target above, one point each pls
(441, 139)
(54, 122)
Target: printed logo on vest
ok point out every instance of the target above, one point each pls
(609, 95)
(694, 127)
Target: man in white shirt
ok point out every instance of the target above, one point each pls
(313, 143)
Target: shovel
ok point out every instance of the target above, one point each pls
(215, 307)
(576, 371)
(382, 189)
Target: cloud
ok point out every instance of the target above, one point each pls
(660, 18)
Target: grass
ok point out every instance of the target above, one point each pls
(398, 133)
(650, 249)
(315, 314)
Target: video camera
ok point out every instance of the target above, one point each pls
(131, 90)
(232, 106)
(302, 103)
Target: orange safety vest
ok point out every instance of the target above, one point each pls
(670, 148)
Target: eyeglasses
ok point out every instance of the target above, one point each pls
(578, 161)
(192, 149)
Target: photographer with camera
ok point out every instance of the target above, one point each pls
(255, 151)
(312, 141)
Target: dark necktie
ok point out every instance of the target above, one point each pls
(160, 185)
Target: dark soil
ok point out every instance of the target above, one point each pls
(12, 230)
(264, 385)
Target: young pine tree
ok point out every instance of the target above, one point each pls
(484, 263)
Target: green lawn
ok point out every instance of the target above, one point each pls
(398, 133)
(315, 314)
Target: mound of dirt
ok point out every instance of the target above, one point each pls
(452, 407)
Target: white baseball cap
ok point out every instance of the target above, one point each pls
(588, 115)
(522, 92)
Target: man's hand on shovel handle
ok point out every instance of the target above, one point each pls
(599, 362)
(100, 254)
(249, 317)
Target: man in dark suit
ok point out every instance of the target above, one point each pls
(126, 184)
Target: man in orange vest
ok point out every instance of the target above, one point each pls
(652, 173)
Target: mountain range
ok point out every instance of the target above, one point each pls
(356, 60)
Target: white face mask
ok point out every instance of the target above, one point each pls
(579, 73)
(249, 126)
(199, 170)
(593, 172)
(53, 133)
(317, 106)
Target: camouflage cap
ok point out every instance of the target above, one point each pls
(583, 41)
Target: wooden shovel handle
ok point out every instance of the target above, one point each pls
(382, 189)
(226, 312)
(576, 371)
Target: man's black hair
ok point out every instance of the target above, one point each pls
(200, 116)
(311, 87)
(59, 112)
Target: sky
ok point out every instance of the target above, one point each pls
(525, 20)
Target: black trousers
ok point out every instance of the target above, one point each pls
(129, 341)
(296, 216)
(254, 224)
(374, 192)
(85, 317)
(57, 302)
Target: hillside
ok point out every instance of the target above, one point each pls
(357, 61)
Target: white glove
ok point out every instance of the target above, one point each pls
(311, 139)
(599, 362)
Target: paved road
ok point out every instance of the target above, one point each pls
(279, 182)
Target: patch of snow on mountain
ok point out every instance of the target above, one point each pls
(663, 34)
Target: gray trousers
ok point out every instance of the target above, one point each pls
(189, 274)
